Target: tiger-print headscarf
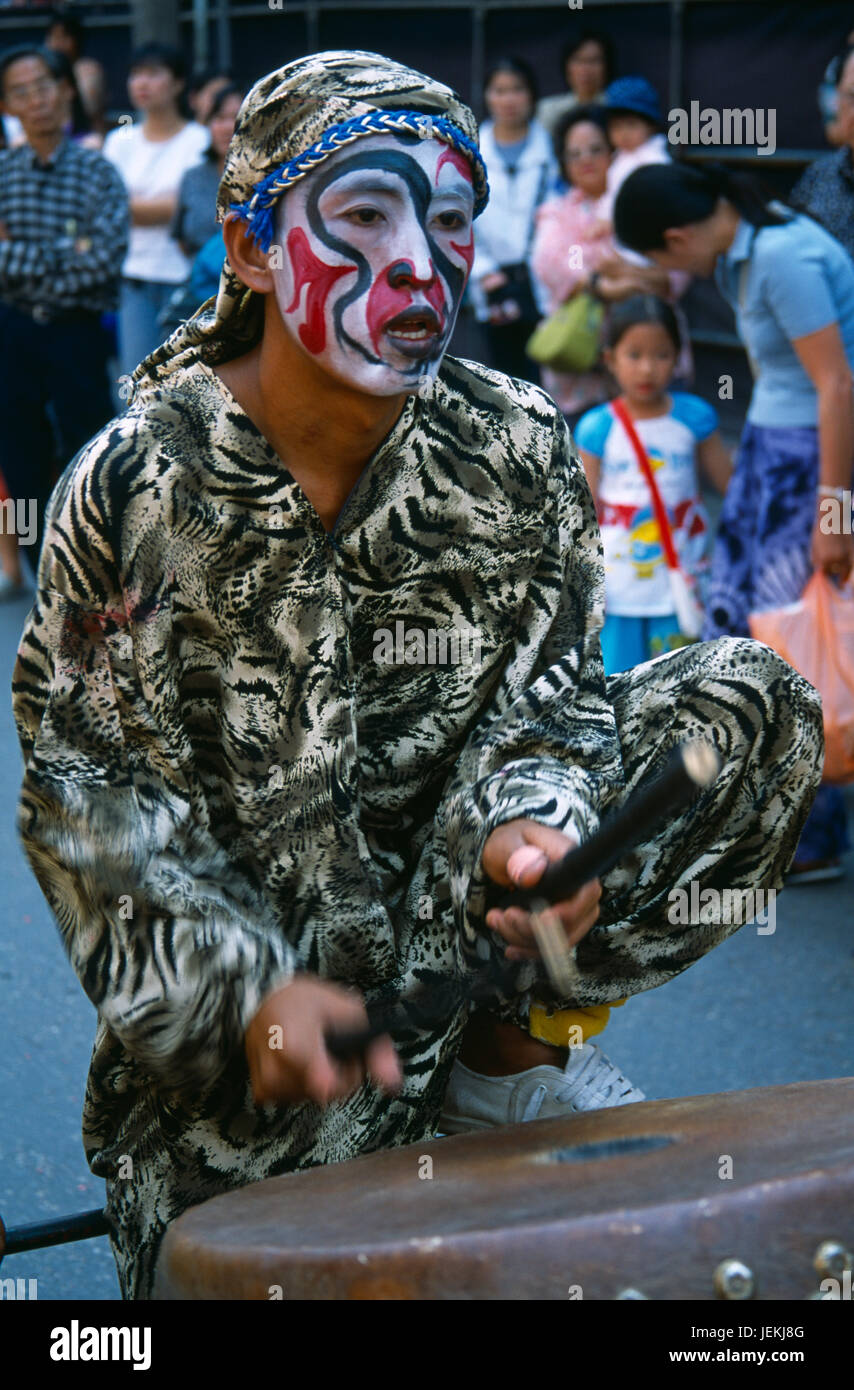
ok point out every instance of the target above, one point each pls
(296, 117)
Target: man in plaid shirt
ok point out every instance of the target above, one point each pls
(63, 236)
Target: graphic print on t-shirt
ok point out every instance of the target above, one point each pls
(636, 579)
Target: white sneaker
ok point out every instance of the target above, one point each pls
(588, 1082)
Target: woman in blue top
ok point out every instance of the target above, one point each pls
(792, 286)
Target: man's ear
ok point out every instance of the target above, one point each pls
(245, 256)
(675, 239)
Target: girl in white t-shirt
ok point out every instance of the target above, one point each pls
(678, 432)
(152, 158)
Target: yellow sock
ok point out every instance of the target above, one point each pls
(570, 1027)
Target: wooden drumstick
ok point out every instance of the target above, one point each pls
(353, 1043)
(690, 767)
(442, 1000)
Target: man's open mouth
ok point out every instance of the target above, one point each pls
(415, 332)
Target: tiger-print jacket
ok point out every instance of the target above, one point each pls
(240, 759)
(254, 747)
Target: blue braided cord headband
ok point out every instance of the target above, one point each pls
(258, 210)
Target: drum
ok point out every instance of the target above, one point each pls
(739, 1195)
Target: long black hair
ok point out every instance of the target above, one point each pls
(222, 96)
(658, 196)
(641, 308)
(518, 68)
(164, 55)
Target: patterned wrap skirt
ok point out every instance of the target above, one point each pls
(762, 560)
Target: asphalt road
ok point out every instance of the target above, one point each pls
(760, 1010)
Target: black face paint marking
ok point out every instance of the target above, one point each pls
(420, 190)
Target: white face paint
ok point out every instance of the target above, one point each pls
(371, 258)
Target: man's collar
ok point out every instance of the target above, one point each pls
(44, 164)
(740, 248)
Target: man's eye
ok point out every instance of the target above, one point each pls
(365, 217)
(450, 221)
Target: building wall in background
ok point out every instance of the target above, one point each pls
(733, 52)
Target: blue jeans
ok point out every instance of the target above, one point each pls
(762, 560)
(140, 301)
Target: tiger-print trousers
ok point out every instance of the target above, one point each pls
(740, 834)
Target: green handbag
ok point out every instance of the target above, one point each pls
(568, 340)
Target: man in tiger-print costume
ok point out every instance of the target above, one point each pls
(251, 799)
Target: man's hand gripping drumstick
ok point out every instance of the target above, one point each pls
(330, 1045)
(515, 856)
(570, 883)
(287, 1042)
(286, 1046)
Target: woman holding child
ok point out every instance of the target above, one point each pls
(574, 249)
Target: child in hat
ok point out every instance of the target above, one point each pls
(635, 123)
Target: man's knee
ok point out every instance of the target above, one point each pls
(783, 706)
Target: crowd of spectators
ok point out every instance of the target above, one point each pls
(108, 238)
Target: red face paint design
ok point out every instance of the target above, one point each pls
(459, 162)
(463, 167)
(394, 333)
(309, 270)
(466, 252)
(386, 301)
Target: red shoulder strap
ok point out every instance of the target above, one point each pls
(658, 506)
